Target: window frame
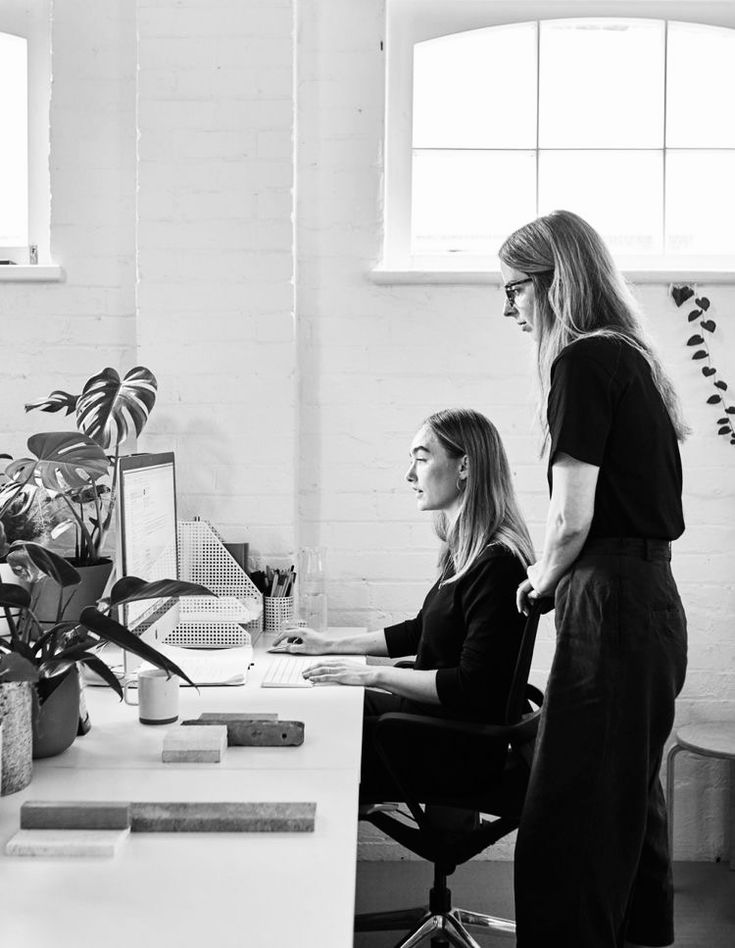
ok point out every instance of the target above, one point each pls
(413, 21)
(32, 21)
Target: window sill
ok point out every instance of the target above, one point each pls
(485, 272)
(27, 273)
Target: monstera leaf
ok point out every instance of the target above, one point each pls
(63, 461)
(110, 409)
(57, 401)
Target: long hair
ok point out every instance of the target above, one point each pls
(489, 512)
(579, 293)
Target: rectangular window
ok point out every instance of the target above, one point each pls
(14, 151)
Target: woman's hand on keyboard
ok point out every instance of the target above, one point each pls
(340, 673)
(303, 641)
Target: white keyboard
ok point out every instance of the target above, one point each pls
(284, 671)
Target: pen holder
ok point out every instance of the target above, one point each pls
(276, 611)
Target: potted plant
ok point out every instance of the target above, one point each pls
(17, 676)
(74, 474)
(48, 656)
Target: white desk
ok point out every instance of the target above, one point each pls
(193, 890)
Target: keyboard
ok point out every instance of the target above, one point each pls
(284, 671)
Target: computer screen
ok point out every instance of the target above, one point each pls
(147, 527)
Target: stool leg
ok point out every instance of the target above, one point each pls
(671, 757)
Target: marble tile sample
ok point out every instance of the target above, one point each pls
(215, 817)
(64, 842)
(195, 745)
(258, 733)
(73, 815)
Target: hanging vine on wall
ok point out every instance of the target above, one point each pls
(680, 294)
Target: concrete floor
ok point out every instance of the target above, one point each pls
(705, 899)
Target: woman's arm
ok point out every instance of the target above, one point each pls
(417, 685)
(570, 514)
(316, 643)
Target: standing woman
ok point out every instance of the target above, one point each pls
(592, 867)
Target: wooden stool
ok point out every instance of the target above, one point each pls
(716, 739)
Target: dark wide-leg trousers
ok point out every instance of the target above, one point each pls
(592, 866)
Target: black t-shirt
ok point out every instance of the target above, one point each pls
(604, 409)
(470, 631)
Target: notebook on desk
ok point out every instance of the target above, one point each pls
(211, 667)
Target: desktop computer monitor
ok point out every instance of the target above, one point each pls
(147, 546)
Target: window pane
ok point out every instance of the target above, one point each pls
(470, 200)
(601, 83)
(14, 150)
(700, 202)
(458, 82)
(619, 192)
(701, 79)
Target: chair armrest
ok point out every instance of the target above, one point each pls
(535, 695)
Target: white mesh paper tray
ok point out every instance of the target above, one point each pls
(214, 622)
(209, 634)
(201, 608)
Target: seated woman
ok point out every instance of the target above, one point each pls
(467, 634)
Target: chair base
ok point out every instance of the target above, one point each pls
(442, 927)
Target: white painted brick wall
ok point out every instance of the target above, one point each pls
(215, 258)
(240, 392)
(56, 335)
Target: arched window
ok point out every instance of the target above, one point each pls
(626, 121)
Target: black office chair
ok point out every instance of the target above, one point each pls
(485, 770)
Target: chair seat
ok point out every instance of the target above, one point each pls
(712, 739)
(716, 739)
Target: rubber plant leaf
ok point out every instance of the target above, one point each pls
(13, 596)
(105, 673)
(132, 589)
(111, 631)
(57, 401)
(59, 630)
(64, 461)
(50, 563)
(110, 409)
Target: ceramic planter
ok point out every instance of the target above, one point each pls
(56, 722)
(46, 593)
(15, 714)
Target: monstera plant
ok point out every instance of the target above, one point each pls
(78, 470)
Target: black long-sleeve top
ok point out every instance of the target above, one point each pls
(470, 631)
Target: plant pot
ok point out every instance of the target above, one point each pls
(57, 719)
(8, 576)
(45, 595)
(15, 714)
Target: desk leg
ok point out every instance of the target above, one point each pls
(676, 749)
(732, 815)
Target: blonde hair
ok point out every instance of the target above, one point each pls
(579, 293)
(489, 513)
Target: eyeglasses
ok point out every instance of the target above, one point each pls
(511, 289)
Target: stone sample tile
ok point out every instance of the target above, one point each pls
(218, 817)
(259, 733)
(195, 745)
(64, 842)
(73, 815)
(224, 717)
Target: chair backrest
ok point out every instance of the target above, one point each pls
(516, 703)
